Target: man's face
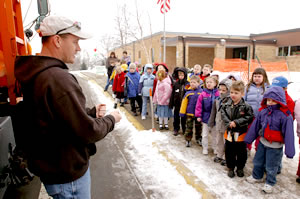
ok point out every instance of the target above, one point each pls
(69, 47)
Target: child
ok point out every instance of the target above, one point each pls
(146, 82)
(237, 115)
(297, 116)
(274, 124)
(283, 83)
(206, 70)
(132, 84)
(180, 78)
(216, 119)
(118, 86)
(203, 109)
(256, 88)
(162, 98)
(110, 65)
(187, 110)
(196, 70)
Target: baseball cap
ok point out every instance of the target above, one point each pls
(280, 81)
(56, 25)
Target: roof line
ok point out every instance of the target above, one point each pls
(276, 32)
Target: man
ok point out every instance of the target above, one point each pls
(63, 132)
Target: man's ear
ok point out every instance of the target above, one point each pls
(56, 41)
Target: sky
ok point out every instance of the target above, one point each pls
(157, 175)
(233, 17)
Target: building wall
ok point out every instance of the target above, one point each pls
(229, 53)
(266, 53)
(200, 56)
(171, 58)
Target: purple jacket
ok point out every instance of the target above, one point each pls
(204, 104)
(273, 122)
(189, 102)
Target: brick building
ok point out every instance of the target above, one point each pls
(188, 49)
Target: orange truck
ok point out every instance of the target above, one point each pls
(12, 43)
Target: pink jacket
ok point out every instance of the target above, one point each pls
(297, 116)
(163, 92)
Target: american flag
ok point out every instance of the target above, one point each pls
(162, 5)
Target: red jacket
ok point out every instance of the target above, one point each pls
(202, 77)
(290, 103)
(119, 81)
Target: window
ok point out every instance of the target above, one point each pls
(283, 51)
(295, 50)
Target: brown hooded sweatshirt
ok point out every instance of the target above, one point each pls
(62, 133)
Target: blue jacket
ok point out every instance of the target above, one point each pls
(189, 102)
(146, 82)
(274, 123)
(132, 82)
(254, 97)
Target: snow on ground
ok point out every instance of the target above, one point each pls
(155, 173)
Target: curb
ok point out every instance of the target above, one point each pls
(187, 174)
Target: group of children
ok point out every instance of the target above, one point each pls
(233, 113)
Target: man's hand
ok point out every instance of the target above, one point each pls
(100, 110)
(116, 114)
(232, 125)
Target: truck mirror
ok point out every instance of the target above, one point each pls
(43, 7)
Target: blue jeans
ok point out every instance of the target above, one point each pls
(80, 188)
(108, 83)
(144, 109)
(268, 158)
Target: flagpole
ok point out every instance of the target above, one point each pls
(164, 31)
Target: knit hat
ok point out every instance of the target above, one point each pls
(226, 82)
(280, 81)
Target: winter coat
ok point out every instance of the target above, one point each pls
(297, 116)
(156, 69)
(254, 97)
(215, 118)
(132, 84)
(119, 82)
(202, 77)
(189, 102)
(274, 123)
(241, 114)
(205, 102)
(124, 68)
(178, 90)
(63, 132)
(290, 103)
(146, 82)
(109, 67)
(163, 92)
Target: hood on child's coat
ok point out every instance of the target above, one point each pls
(180, 69)
(235, 76)
(226, 82)
(148, 66)
(163, 64)
(277, 94)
